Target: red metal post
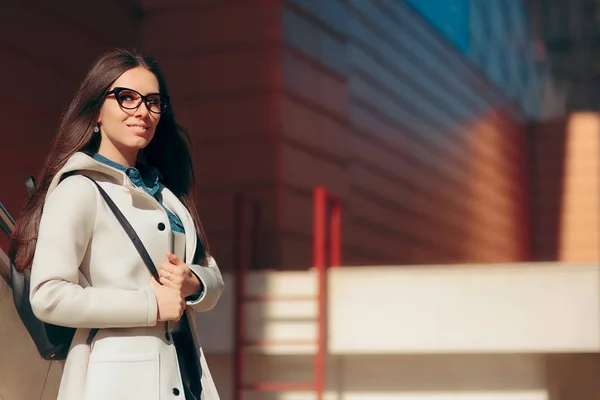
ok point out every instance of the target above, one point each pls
(319, 226)
(335, 234)
(241, 260)
(326, 231)
(319, 261)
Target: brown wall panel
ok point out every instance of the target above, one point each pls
(248, 68)
(242, 163)
(223, 65)
(305, 124)
(304, 169)
(305, 78)
(254, 116)
(366, 100)
(434, 157)
(30, 77)
(62, 35)
(186, 27)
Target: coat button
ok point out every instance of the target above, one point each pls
(176, 391)
(161, 226)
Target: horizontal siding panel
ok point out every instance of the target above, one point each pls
(42, 79)
(445, 141)
(302, 79)
(217, 208)
(382, 131)
(305, 170)
(124, 14)
(410, 226)
(423, 201)
(222, 247)
(331, 13)
(401, 80)
(167, 5)
(425, 145)
(50, 38)
(374, 239)
(297, 211)
(392, 245)
(399, 51)
(296, 252)
(240, 69)
(241, 163)
(21, 128)
(301, 33)
(191, 27)
(398, 162)
(229, 117)
(314, 129)
(407, 26)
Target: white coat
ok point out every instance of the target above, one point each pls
(87, 274)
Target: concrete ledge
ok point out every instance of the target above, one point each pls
(503, 308)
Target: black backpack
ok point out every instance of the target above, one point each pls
(52, 341)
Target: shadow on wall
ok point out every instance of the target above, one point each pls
(547, 151)
(565, 188)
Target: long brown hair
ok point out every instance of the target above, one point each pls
(169, 150)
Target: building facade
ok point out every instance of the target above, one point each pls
(365, 98)
(442, 143)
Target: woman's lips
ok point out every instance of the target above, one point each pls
(138, 128)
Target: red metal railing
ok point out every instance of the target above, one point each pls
(324, 205)
(244, 210)
(326, 253)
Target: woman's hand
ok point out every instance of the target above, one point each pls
(169, 302)
(176, 275)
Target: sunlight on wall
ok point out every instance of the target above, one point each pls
(579, 233)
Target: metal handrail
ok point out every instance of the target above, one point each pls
(4, 266)
(7, 224)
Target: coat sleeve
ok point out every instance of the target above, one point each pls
(57, 295)
(212, 285)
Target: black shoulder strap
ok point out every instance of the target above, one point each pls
(30, 184)
(129, 230)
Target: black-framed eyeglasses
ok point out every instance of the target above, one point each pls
(130, 99)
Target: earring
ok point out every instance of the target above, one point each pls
(96, 129)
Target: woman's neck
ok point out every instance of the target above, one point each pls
(125, 158)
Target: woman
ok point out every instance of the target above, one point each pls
(135, 336)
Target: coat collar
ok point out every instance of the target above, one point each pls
(85, 163)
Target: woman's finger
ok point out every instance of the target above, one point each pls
(169, 283)
(174, 259)
(175, 276)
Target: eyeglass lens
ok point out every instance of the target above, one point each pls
(130, 99)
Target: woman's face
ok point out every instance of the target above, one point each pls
(126, 131)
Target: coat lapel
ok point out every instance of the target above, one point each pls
(173, 204)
